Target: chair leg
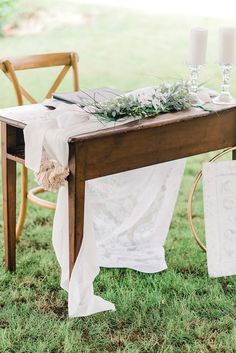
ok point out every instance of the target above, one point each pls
(23, 202)
(9, 198)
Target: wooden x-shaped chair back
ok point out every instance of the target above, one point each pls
(12, 64)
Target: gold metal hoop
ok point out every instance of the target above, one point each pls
(190, 199)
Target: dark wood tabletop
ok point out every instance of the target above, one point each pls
(155, 140)
(19, 117)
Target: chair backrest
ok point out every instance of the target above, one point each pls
(12, 64)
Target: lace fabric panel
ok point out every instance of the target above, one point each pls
(132, 212)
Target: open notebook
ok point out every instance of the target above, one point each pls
(87, 97)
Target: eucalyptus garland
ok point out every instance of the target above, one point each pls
(145, 103)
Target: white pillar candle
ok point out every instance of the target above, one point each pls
(227, 45)
(198, 46)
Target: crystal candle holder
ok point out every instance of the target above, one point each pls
(225, 96)
(193, 83)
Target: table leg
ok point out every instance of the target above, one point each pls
(9, 197)
(234, 154)
(76, 185)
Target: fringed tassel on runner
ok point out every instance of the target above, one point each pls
(51, 175)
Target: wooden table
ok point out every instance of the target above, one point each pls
(163, 138)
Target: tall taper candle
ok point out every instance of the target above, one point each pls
(198, 47)
(227, 45)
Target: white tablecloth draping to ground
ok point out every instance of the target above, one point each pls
(127, 215)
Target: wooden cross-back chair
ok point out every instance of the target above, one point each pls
(9, 66)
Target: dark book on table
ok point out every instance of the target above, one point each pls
(88, 97)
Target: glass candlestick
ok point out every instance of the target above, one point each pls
(225, 96)
(193, 83)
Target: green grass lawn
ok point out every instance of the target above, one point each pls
(179, 310)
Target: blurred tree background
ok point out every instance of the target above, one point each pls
(7, 13)
(125, 48)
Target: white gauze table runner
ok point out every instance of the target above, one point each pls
(127, 215)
